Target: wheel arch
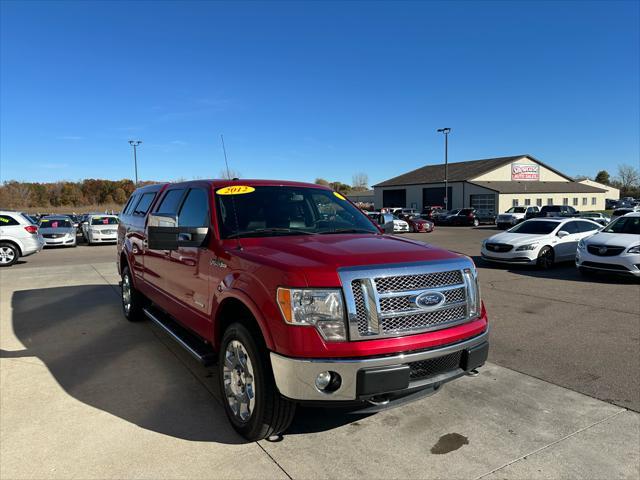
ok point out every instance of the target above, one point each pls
(14, 243)
(236, 308)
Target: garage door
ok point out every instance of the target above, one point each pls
(434, 196)
(394, 198)
(484, 202)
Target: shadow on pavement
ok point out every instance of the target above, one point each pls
(123, 369)
(560, 271)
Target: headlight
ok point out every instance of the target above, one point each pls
(531, 246)
(581, 245)
(473, 291)
(634, 249)
(321, 308)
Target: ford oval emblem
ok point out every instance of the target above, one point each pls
(429, 300)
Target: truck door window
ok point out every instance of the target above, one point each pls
(195, 209)
(170, 202)
(144, 203)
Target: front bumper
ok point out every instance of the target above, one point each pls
(52, 242)
(525, 257)
(625, 263)
(364, 378)
(104, 239)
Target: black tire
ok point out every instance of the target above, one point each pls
(9, 254)
(546, 258)
(137, 301)
(271, 413)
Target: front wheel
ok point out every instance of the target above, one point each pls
(476, 222)
(9, 254)
(251, 400)
(545, 258)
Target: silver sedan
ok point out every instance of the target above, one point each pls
(58, 231)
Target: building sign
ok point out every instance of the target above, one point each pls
(525, 171)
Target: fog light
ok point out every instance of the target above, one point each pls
(328, 381)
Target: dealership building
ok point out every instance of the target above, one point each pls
(494, 184)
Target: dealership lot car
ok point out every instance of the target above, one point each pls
(615, 249)
(538, 241)
(19, 237)
(58, 231)
(515, 215)
(601, 218)
(100, 229)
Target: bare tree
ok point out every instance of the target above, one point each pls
(628, 177)
(360, 181)
(229, 174)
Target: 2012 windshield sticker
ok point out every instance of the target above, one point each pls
(235, 190)
(341, 197)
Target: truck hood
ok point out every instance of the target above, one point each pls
(319, 257)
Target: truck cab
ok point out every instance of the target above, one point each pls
(297, 297)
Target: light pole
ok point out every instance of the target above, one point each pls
(446, 131)
(134, 144)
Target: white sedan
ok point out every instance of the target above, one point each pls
(615, 249)
(539, 241)
(100, 229)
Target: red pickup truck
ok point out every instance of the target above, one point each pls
(297, 297)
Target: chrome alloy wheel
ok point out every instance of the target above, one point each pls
(7, 255)
(238, 381)
(126, 294)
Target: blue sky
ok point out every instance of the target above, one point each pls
(304, 90)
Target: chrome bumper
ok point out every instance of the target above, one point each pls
(295, 377)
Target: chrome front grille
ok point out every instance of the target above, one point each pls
(416, 282)
(423, 320)
(389, 301)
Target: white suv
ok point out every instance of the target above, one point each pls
(19, 237)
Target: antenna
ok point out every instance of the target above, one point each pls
(224, 150)
(233, 200)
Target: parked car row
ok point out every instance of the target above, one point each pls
(546, 241)
(22, 235)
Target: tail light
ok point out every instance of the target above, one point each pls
(31, 229)
(470, 215)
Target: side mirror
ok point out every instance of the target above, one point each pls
(562, 233)
(163, 233)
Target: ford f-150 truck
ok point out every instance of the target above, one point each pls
(297, 297)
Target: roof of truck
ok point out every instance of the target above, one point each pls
(216, 183)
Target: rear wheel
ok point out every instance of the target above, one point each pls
(9, 254)
(546, 258)
(133, 301)
(251, 400)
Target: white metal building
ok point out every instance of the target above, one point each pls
(494, 184)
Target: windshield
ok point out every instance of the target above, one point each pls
(535, 227)
(624, 225)
(516, 210)
(104, 221)
(281, 210)
(55, 223)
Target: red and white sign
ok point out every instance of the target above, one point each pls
(525, 171)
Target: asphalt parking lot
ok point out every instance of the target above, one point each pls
(84, 394)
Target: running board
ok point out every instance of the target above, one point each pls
(188, 340)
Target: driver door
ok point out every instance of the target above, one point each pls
(567, 245)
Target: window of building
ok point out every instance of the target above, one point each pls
(575, 201)
(549, 201)
(584, 201)
(593, 200)
(514, 202)
(565, 201)
(539, 202)
(527, 201)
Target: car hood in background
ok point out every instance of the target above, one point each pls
(613, 239)
(515, 238)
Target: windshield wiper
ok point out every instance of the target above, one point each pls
(347, 230)
(265, 232)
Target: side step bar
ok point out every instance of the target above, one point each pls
(189, 341)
